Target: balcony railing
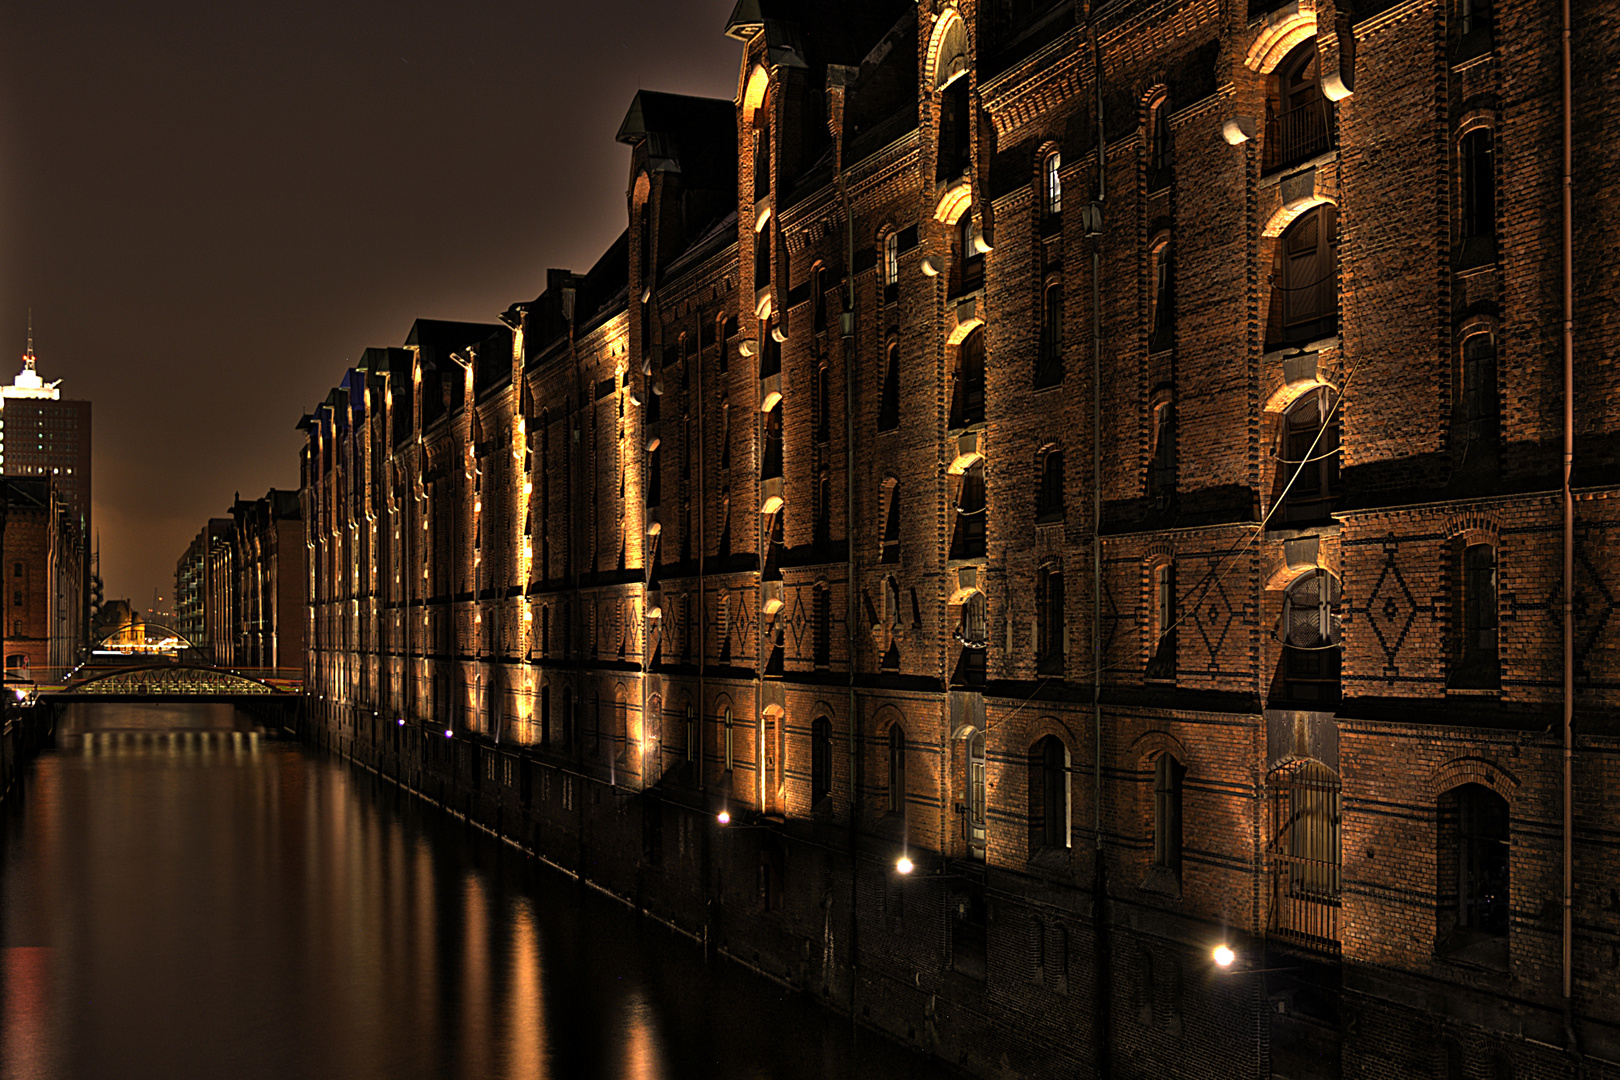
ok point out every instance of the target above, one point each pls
(1298, 134)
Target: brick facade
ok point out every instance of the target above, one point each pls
(1184, 536)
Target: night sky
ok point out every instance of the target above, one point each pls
(212, 207)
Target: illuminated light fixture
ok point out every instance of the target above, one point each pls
(478, 506)
(747, 347)
(448, 733)
(930, 268)
(904, 865)
(635, 398)
(528, 488)
(770, 505)
(724, 818)
(646, 364)
(654, 529)
(655, 613)
(653, 444)
(658, 387)
(402, 721)
(770, 400)
(1224, 956)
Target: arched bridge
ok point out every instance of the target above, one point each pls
(170, 682)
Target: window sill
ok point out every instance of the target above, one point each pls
(1052, 517)
(1163, 881)
(1278, 173)
(1474, 691)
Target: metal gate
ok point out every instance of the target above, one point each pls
(1305, 854)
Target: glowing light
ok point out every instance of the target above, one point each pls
(725, 817)
(448, 733)
(1224, 956)
(904, 865)
(402, 721)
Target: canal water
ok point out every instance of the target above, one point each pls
(182, 898)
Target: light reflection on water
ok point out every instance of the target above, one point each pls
(214, 904)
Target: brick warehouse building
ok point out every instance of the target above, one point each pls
(1109, 456)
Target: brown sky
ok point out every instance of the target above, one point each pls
(214, 206)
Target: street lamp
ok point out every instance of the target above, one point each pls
(1224, 955)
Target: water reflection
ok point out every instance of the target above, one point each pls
(216, 904)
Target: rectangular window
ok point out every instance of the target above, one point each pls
(1162, 664)
(1167, 780)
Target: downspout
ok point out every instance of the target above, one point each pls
(1099, 882)
(1569, 548)
(846, 329)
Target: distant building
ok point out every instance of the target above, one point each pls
(234, 597)
(192, 583)
(43, 556)
(45, 434)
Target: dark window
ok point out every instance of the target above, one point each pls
(1480, 409)
(655, 474)
(818, 298)
(969, 270)
(1478, 184)
(770, 351)
(823, 532)
(1474, 869)
(823, 404)
(1049, 621)
(1304, 281)
(762, 256)
(1161, 309)
(771, 459)
(730, 739)
(897, 769)
(1299, 120)
(1167, 778)
(967, 405)
(1162, 468)
(1310, 460)
(889, 408)
(955, 136)
(1049, 356)
(973, 632)
(891, 521)
(820, 759)
(762, 148)
(1479, 666)
(1049, 494)
(1161, 152)
(1162, 664)
(968, 541)
(1049, 795)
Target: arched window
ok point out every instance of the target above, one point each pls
(1051, 631)
(1049, 795)
(1161, 157)
(891, 265)
(1305, 280)
(1049, 489)
(1049, 356)
(969, 269)
(818, 298)
(968, 538)
(891, 520)
(1299, 119)
(1309, 633)
(1162, 658)
(1305, 852)
(1477, 662)
(762, 255)
(897, 769)
(771, 458)
(1309, 466)
(967, 399)
(823, 403)
(889, 406)
(1161, 299)
(1162, 464)
(762, 148)
(820, 759)
(1052, 184)
(955, 125)
(824, 497)
(1479, 396)
(1167, 778)
(655, 476)
(973, 633)
(1473, 853)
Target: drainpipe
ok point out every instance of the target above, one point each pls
(1099, 881)
(846, 329)
(1569, 551)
